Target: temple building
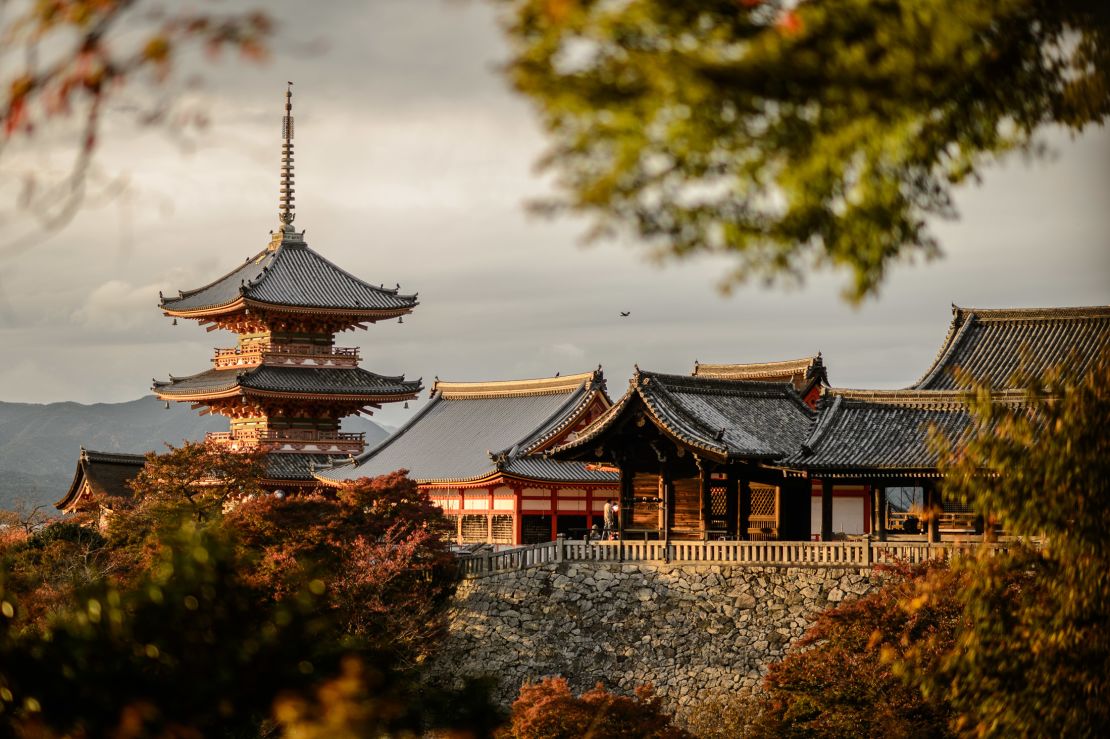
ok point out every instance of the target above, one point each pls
(851, 499)
(807, 375)
(991, 345)
(478, 449)
(101, 479)
(285, 385)
(880, 439)
(693, 455)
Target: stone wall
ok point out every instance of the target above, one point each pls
(692, 631)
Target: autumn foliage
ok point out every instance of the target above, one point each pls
(1010, 644)
(840, 681)
(207, 605)
(549, 710)
(376, 546)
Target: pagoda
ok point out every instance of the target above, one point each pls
(286, 385)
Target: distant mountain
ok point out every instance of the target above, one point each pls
(39, 444)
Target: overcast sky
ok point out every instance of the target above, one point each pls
(413, 161)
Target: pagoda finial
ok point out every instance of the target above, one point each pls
(286, 200)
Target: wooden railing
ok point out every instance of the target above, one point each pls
(286, 354)
(858, 554)
(294, 439)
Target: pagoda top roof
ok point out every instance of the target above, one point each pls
(727, 419)
(289, 273)
(991, 345)
(472, 430)
(352, 382)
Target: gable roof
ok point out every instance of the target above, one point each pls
(875, 432)
(802, 373)
(471, 430)
(289, 273)
(992, 344)
(101, 474)
(728, 419)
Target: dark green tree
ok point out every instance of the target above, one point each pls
(1034, 658)
(797, 135)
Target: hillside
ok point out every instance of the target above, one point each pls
(39, 443)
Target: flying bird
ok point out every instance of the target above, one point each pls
(625, 313)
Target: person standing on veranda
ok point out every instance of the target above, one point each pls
(610, 519)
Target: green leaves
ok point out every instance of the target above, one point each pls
(823, 137)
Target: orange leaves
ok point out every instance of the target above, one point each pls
(558, 10)
(790, 23)
(549, 710)
(93, 68)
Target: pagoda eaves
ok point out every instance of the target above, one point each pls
(286, 386)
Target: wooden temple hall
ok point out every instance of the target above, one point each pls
(720, 455)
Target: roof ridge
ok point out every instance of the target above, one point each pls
(370, 453)
(800, 363)
(823, 422)
(521, 445)
(332, 265)
(568, 410)
(1064, 312)
(957, 330)
(186, 293)
(599, 424)
(924, 397)
(92, 455)
(513, 388)
(694, 423)
(720, 384)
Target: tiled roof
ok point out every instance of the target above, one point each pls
(107, 474)
(870, 431)
(295, 380)
(471, 430)
(292, 274)
(538, 467)
(728, 418)
(992, 344)
(296, 466)
(797, 371)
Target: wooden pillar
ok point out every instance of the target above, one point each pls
(706, 502)
(732, 506)
(554, 513)
(933, 506)
(826, 509)
(668, 498)
(744, 515)
(489, 516)
(873, 500)
(878, 510)
(626, 499)
(518, 517)
(795, 509)
(882, 512)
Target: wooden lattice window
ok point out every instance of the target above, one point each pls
(718, 507)
(765, 506)
(536, 529)
(474, 528)
(502, 529)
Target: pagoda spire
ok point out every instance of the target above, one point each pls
(286, 215)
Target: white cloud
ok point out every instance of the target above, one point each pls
(117, 305)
